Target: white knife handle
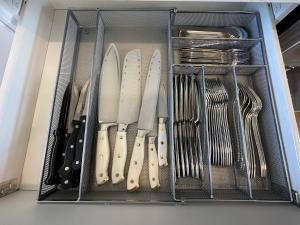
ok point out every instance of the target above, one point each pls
(162, 143)
(136, 161)
(153, 164)
(120, 154)
(102, 157)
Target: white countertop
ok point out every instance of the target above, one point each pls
(21, 208)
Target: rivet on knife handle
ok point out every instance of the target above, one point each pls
(153, 164)
(120, 154)
(136, 162)
(162, 145)
(102, 155)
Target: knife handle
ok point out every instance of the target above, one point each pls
(120, 154)
(162, 143)
(102, 157)
(153, 164)
(65, 172)
(136, 161)
(76, 165)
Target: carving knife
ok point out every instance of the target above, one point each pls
(108, 100)
(129, 108)
(152, 158)
(146, 120)
(162, 143)
(66, 171)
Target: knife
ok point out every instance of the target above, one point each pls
(152, 158)
(146, 119)
(65, 172)
(162, 143)
(108, 100)
(55, 155)
(129, 108)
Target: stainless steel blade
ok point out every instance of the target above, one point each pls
(81, 101)
(109, 90)
(130, 96)
(162, 102)
(149, 102)
(153, 132)
(72, 107)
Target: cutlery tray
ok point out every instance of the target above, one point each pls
(87, 35)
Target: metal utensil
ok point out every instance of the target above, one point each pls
(108, 101)
(146, 119)
(129, 107)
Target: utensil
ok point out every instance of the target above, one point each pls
(59, 135)
(129, 107)
(212, 32)
(162, 143)
(108, 101)
(66, 171)
(146, 119)
(152, 158)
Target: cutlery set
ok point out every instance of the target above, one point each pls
(204, 54)
(66, 155)
(122, 103)
(188, 149)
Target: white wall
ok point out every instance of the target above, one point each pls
(20, 85)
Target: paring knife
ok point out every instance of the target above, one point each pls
(56, 153)
(162, 144)
(146, 119)
(108, 101)
(66, 171)
(152, 158)
(129, 108)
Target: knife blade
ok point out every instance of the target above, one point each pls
(108, 100)
(56, 153)
(129, 107)
(146, 119)
(162, 143)
(66, 171)
(152, 158)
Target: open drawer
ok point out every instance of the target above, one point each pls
(87, 36)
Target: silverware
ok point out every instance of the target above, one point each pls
(108, 101)
(251, 105)
(212, 32)
(146, 119)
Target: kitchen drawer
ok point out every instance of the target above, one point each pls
(87, 35)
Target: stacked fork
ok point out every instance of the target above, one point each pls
(251, 105)
(218, 125)
(188, 152)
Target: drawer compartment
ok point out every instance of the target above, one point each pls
(211, 149)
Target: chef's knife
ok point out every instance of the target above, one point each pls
(65, 172)
(162, 146)
(146, 119)
(58, 139)
(152, 158)
(108, 100)
(129, 108)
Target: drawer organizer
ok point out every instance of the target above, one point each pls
(88, 34)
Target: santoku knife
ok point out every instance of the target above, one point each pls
(146, 120)
(162, 142)
(108, 101)
(129, 107)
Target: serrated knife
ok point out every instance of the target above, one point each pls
(146, 120)
(108, 100)
(129, 108)
(162, 143)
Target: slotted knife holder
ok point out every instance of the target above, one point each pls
(148, 30)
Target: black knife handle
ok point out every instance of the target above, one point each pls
(65, 172)
(79, 145)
